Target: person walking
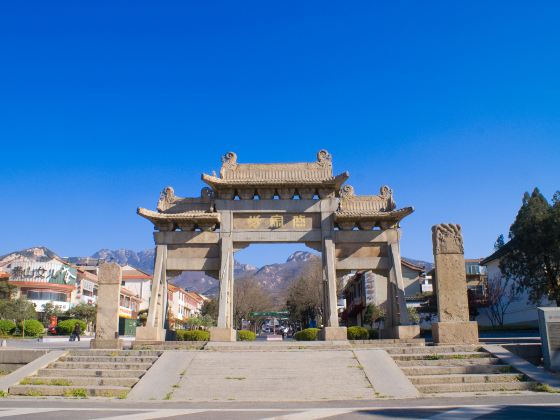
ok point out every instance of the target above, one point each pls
(77, 331)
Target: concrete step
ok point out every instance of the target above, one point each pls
(431, 349)
(383, 343)
(114, 353)
(99, 373)
(475, 387)
(466, 378)
(100, 365)
(109, 359)
(450, 362)
(442, 356)
(69, 391)
(85, 381)
(450, 370)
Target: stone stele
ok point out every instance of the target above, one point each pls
(108, 295)
(454, 326)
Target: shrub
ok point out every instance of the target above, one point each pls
(244, 335)
(309, 334)
(192, 335)
(7, 327)
(67, 327)
(373, 334)
(33, 328)
(357, 333)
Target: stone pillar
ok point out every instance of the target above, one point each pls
(454, 326)
(108, 297)
(331, 329)
(224, 331)
(154, 330)
(402, 328)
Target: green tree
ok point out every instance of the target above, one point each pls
(532, 256)
(210, 308)
(373, 314)
(85, 312)
(7, 290)
(17, 309)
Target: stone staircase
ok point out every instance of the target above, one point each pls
(89, 373)
(451, 369)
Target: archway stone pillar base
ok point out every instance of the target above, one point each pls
(223, 334)
(405, 332)
(334, 334)
(458, 332)
(148, 333)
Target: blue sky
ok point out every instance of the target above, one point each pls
(455, 105)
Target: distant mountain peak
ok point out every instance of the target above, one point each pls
(301, 256)
(36, 253)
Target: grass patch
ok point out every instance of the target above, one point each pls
(538, 387)
(168, 396)
(458, 356)
(176, 386)
(34, 393)
(60, 382)
(3, 394)
(38, 381)
(32, 381)
(433, 357)
(236, 378)
(76, 393)
(122, 395)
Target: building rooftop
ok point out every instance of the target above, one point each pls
(316, 174)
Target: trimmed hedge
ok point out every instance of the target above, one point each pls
(309, 334)
(33, 328)
(357, 333)
(192, 335)
(66, 327)
(7, 326)
(373, 334)
(244, 335)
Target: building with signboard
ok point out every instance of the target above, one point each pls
(42, 282)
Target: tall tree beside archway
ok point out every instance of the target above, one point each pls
(532, 255)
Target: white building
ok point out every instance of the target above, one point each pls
(521, 311)
(139, 283)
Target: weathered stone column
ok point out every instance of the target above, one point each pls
(331, 329)
(108, 296)
(454, 326)
(224, 331)
(154, 330)
(403, 329)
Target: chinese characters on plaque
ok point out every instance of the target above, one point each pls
(276, 221)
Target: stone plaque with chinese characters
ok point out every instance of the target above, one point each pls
(276, 221)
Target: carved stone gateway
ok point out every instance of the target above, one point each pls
(454, 326)
(277, 203)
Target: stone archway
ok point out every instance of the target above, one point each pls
(276, 203)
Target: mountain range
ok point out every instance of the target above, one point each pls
(275, 278)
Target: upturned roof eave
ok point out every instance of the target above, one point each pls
(330, 182)
(393, 215)
(195, 216)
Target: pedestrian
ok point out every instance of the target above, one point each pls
(77, 331)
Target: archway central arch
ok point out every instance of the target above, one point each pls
(277, 203)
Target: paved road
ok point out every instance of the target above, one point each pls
(502, 407)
